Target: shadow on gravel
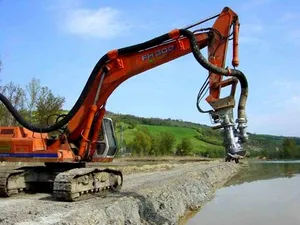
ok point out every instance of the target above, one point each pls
(80, 199)
(48, 198)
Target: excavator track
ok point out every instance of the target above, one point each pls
(12, 182)
(83, 183)
(64, 184)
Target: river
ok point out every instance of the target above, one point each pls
(264, 193)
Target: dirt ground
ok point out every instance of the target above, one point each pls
(154, 192)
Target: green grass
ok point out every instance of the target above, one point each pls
(178, 132)
(203, 138)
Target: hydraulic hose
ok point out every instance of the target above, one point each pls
(219, 70)
(85, 91)
(71, 113)
(127, 50)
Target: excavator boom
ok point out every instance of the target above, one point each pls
(87, 136)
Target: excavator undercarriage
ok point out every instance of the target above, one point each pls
(65, 181)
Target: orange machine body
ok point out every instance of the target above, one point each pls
(18, 142)
(83, 128)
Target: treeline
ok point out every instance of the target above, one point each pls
(204, 133)
(34, 102)
(289, 149)
(164, 144)
(146, 144)
(133, 121)
(257, 142)
(259, 145)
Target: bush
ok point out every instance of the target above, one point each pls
(184, 147)
(166, 143)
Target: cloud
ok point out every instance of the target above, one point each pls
(103, 22)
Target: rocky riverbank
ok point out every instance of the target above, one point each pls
(152, 194)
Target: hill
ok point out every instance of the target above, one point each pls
(202, 137)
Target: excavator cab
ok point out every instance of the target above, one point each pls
(106, 145)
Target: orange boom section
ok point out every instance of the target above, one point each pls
(81, 128)
(121, 67)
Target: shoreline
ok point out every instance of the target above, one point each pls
(153, 194)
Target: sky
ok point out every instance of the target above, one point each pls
(59, 43)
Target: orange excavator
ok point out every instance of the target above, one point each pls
(87, 136)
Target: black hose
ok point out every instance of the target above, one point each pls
(219, 70)
(127, 50)
(200, 96)
(211, 67)
(145, 45)
(68, 116)
(85, 91)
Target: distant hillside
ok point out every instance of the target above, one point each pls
(203, 138)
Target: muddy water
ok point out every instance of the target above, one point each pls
(264, 193)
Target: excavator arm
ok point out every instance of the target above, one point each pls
(83, 124)
(124, 63)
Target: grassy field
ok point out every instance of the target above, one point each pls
(178, 132)
(203, 138)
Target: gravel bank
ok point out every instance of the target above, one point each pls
(156, 195)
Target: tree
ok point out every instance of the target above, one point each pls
(46, 105)
(184, 147)
(166, 143)
(33, 90)
(35, 105)
(41, 103)
(155, 142)
(141, 144)
(297, 152)
(288, 149)
(16, 96)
